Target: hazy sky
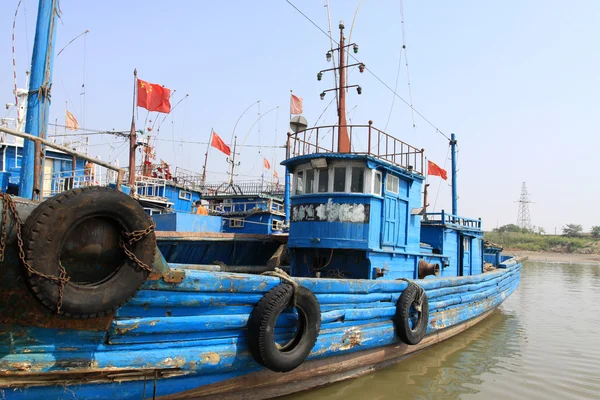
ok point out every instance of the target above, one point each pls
(517, 81)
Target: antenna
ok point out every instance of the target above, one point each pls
(523, 217)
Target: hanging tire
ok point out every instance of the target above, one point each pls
(409, 330)
(261, 328)
(81, 228)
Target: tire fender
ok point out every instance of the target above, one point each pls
(261, 328)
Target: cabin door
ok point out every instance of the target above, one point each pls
(465, 256)
(390, 221)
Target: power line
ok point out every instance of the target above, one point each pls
(374, 75)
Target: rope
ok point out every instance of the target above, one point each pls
(420, 293)
(281, 274)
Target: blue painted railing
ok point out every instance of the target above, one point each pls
(443, 218)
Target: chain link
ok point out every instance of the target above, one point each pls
(129, 238)
(125, 241)
(9, 204)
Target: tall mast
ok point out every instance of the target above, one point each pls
(344, 145)
(343, 139)
(206, 158)
(232, 161)
(132, 136)
(454, 190)
(38, 101)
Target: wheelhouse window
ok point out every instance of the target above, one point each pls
(339, 179)
(357, 181)
(323, 181)
(300, 182)
(377, 183)
(183, 195)
(310, 181)
(392, 183)
(236, 223)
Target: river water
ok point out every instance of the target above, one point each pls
(542, 343)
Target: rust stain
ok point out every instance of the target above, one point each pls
(211, 358)
(352, 337)
(175, 362)
(125, 329)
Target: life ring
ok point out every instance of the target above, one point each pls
(80, 230)
(261, 328)
(407, 310)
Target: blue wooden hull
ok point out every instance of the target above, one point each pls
(189, 338)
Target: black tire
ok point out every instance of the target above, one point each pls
(405, 310)
(81, 228)
(261, 328)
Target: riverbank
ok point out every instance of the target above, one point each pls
(572, 258)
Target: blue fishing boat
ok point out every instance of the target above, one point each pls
(90, 308)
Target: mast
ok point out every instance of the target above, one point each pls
(344, 145)
(38, 101)
(206, 158)
(132, 136)
(454, 191)
(343, 139)
(232, 161)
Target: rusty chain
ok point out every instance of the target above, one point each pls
(9, 204)
(125, 241)
(129, 238)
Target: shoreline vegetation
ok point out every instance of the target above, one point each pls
(550, 248)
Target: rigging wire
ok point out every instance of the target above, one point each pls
(410, 98)
(395, 88)
(440, 184)
(14, 62)
(438, 130)
(350, 36)
(331, 42)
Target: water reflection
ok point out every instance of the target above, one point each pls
(542, 343)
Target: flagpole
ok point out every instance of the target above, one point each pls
(206, 158)
(132, 136)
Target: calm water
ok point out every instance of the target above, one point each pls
(543, 342)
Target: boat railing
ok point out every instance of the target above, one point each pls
(443, 218)
(150, 188)
(364, 139)
(246, 207)
(40, 143)
(58, 182)
(250, 188)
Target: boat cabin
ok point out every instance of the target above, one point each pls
(360, 215)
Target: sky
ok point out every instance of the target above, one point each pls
(516, 81)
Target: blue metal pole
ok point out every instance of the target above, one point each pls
(38, 101)
(286, 196)
(454, 193)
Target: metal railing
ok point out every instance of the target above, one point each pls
(250, 188)
(364, 139)
(150, 188)
(58, 182)
(246, 207)
(442, 218)
(38, 156)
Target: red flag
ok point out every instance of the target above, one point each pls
(275, 175)
(266, 164)
(434, 169)
(153, 97)
(218, 143)
(296, 105)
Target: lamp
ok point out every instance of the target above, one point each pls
(319, 163)
(359, 90)
(328, 55)
(355, 48)
(319, 76)
(322, 95)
